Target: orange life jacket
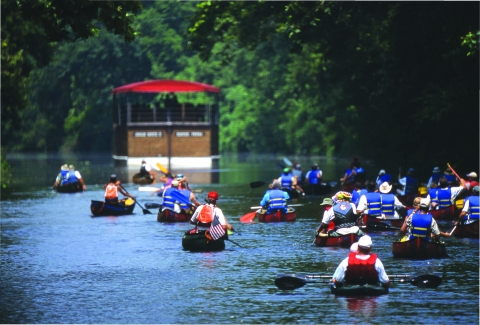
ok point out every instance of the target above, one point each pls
(206, 214)
(111, 191)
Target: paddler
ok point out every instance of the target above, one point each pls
(274, 199)
(210, 217)
(112, 189)
(471, 208)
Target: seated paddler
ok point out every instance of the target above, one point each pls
(344, 216)
(471, 209)
(361, 267)
(421, 224)
(274, 199)
(112, 189)
(169, 202)
(210, 217)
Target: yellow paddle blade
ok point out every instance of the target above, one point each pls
(459, 204)
(163, 169)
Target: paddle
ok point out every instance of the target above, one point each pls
(248, 217)
(290, 205)
(381, 225)
(145, 211)
(178, 196)
(451, 232)
(453, 171)
(164, 170)
(257, 184)
(294, 281)
(287, 162)
(148, 189)
(233, 242)
(153, 205)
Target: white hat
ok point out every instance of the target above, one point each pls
(175, 183)
(436, 170)
(64, 167)
(382, 172)
(425, 203)
(385, 188)
(365, 241)
(354, 247)
(472, 174)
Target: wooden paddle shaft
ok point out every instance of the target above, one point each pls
(453, 171)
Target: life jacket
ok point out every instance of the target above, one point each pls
(374, 203)
(206, 214)
(433, 195)
(168, 200)
(450, 178)
(388, 204)
(71, 177)
(360, 175)
(64, 175)
(361, 271)
(313, 176)
(444, 197)
(411, 185)
(474, 208)
(111, 191)
(344, 216)
(357, 194)
(421, 225)
(287, 181)
(277, 200)
(383, 178)
(349, 180)
(436, 177)
(187, 193)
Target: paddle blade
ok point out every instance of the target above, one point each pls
(180, 197)
(163, 169)
(257, 184)
(287, 162)
(248, 217)
(153, 205)
(426, 281)
(148, 189)
(289, 282)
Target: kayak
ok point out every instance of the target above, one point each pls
(277, 216)
(467, 229)
(323, 240)
(358, 290)
(317, 189)
(100, 208)
(69, 188)
(419, 249)
(137, 179)
(197, 242)
(373, 223)
(171, 216)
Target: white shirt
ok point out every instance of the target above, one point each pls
(339, 274)
(217, 212)
(147, 167)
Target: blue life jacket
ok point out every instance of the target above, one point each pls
(444, 196)
(374, 203)
(474, 208)
(313, 176)
(344, 216)
(64, 175)
(450, 178)
(436, 177)
(71, 177)
(277, 201)
(411, 186)
(360, 175)
(388, 204)
(183, 205)
(349, 179)
(168, 200)
(433, 195)
(287, 181)
(356, 195)
(421, 224)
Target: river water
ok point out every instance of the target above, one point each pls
(60, 265)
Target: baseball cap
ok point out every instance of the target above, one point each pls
(365, 241)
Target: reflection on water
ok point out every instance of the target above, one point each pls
(60, 265)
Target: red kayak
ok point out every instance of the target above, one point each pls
(277, 216)
(419, 249)
(342, 241)
(171, 216)
(466, 229)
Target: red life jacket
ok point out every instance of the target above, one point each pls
(361, 271)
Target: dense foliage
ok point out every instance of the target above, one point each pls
(383, 80)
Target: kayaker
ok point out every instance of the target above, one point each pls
(450, 176)
(297, 172)
(62, 177)
(360, 175)
(471, 208)
(314, 175)
(274, 199)
(446, 195)
(409, 182)
(471, 181)
(183, 188)
(348, 179)
(289, 181)
(390, 203)
(112, 189)
(343, 214)
(421, 224)
(383, 177)
(75, 176)
(168, 201)
(147, 171)
(361, 267)
(210, 217)
(358, 192)
(327, 204)
(435, 177)
(370, 203)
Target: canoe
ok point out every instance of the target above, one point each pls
(100, 208)
(277, 216)
(317, 189)
(137, 179)
(443, 214)
(197, 242)
(467, 229)
(358, 290)
(342, 241)
(372, 223)
(171, 216)
(419, 249)
(69, 188)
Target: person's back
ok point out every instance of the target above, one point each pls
(374, 203)
(111, 191)
(286, 179)
(168, 200)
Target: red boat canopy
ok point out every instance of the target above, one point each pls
(166, 86)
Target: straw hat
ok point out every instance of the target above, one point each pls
(64, 167)
(385, 188)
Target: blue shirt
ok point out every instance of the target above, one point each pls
(266, 198)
